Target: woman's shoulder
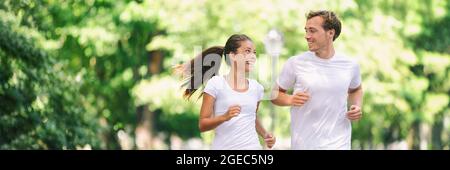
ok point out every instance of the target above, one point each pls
(256, 83)
(215, 80)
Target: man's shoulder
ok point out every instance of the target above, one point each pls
(346, 58)
(302, 56)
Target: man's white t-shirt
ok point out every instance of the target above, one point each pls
(238, 133)
(321, 123)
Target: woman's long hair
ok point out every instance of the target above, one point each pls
(195, 71)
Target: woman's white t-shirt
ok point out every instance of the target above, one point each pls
(238, 133)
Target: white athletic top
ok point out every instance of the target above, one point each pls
(238, 133)
(321, 123)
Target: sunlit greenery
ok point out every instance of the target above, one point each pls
(76, 73)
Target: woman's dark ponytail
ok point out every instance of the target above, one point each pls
(199, 66)
(194, 72)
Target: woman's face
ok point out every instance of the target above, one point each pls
(245, 56)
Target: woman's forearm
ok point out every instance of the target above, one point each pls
(206, 124)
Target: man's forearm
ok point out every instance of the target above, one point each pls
(356, 97)
(280, 98)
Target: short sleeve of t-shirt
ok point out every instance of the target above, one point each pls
(260, 91)
(286, 79)
(211, 86)
(356, 77)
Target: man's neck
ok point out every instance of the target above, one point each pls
(326, 52)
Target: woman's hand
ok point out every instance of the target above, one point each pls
(233, 111)
(269, 139)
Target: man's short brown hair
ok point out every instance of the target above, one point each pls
(330, 21)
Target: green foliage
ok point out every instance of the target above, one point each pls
(39, 108)
(174, 114)
(434, 36)
(406, 85)
(74, 72)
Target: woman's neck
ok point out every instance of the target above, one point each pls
(237, 79)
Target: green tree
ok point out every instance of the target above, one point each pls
(39, 106)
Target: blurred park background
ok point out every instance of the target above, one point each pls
(96, 74)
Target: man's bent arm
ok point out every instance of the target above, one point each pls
(280, 97)
(355, 96)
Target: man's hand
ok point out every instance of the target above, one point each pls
(354, 113)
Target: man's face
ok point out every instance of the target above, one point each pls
(316, 36)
